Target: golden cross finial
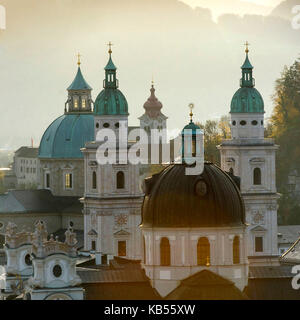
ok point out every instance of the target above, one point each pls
(247, 44)
(110, 45)
(78, 61)
(191, 106)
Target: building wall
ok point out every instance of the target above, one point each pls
(27, 171)
(58, 168)
(183, 243)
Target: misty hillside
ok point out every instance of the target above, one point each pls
(191, 57)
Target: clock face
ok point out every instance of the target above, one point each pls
(201, 188)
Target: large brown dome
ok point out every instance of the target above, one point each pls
(174, 199)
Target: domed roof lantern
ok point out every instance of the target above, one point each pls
(247, 69)
(110, 72)
(79, 94)
(189, 137)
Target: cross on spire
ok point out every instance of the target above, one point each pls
(247, 44)
(110, 45)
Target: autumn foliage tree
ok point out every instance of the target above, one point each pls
(284, 127)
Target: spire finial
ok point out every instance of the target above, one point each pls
(78, 59)
(247, 44)
(109, 46)
(152, 82)
(191, 106)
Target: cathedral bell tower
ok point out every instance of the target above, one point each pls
(112, 198)
(252, 157)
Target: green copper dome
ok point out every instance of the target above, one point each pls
(247, 99)
(66, 136)
(191, 126)
(111, 100)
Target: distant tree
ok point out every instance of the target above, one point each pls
(284, 127)
(214, 133)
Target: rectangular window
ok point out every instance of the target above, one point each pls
(259, 244)
(122, 248)
(83, 102)
(68, 181)
(93, 245)
(47, 180)
(75, 103)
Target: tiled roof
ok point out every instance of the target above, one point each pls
(288, 234)
(264, 272)
(206, 285)
(37, 201)
(121, 280)
(27, 152)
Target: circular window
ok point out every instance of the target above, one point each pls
(201, 188)
(117, 125)
(234, 123)
(106, 125)
(57, 271)
(28, 260)
(243, 123)
(254, 123)
(97, 125)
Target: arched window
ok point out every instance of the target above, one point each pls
(94, 180)
(120, 180)
(236, 250)
(203, 252)
(257, 176)
(165, 252)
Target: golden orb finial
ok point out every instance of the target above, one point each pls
(207, 261)
(247, 44)
(191, 106)
(109, 46)
(78, 59)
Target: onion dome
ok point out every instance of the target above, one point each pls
(153, 105)
(111, 100)
(247, 99)
(176, 200)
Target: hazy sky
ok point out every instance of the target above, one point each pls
(192, 58)
(235, 6)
